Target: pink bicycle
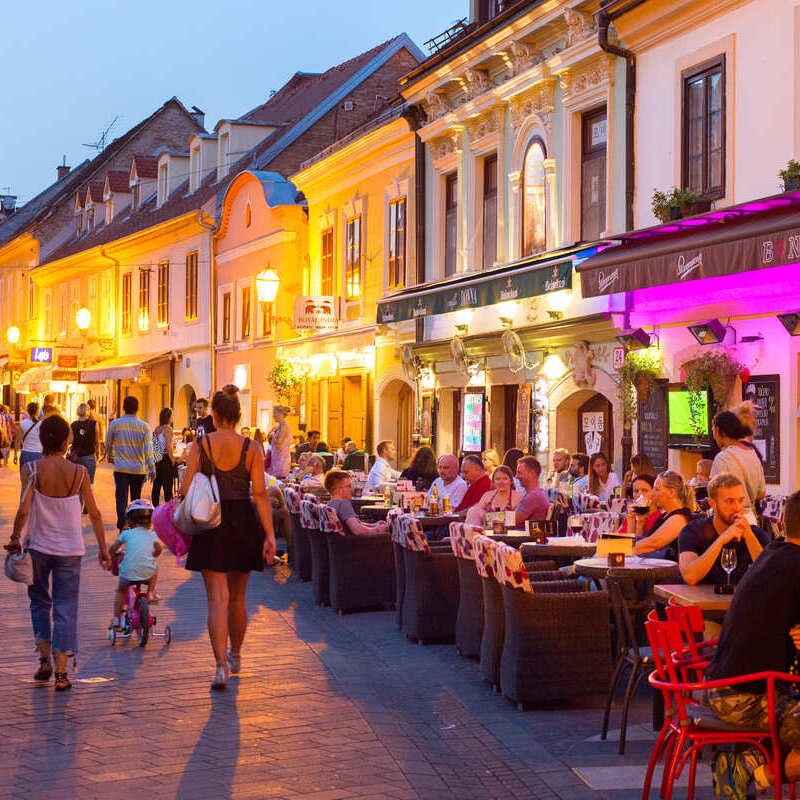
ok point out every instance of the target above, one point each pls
(136, 618)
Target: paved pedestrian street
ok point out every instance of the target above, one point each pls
(327, 707)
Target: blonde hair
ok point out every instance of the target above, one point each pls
(674, 481)
(82, 410)
(746, 413)
(493, 456)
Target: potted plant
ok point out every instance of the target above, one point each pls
(715, 370)
(638, 375)
(791, 176)
(286, 377)
(676, 204)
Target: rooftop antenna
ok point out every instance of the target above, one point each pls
(100, 144)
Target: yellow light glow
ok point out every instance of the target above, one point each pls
(553, 367)
(560, 300)
(12, 334)
(427, 379)
(83, 318)
(267, 283)
(323, 364)
(508, 309)
(477, 378)
(463, 316)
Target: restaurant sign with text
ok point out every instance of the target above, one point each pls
(479, 292)
(315, 314)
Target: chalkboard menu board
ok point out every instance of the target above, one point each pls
(652, 427)
(764, 392)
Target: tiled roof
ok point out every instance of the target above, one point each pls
(118, 181)
(146, 166)
(94, 191)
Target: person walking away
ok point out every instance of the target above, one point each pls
(91, 405)
(129, 448)
(16, 439)
(280, 458)
(6, 433)
(165, 466)
(244, 540)
(204, 423)
(740, 458)
(84, 443)
(30, 445)
(141, 547)
(51, 507)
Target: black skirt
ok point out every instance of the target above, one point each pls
(235, 546)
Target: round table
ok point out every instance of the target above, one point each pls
(366, 500)
(560, 547)
(643, 569)
(374, 512)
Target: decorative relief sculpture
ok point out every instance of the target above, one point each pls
(523, 56)
(447, 144)
(487, 123)
(580, 26)
(582, 358)
(475, 83)
(436, 105)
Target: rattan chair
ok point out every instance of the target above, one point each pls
(469, 618)
(361, 571)
(302, 541)
(493, 627)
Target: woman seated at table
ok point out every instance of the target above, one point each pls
(316, 473)
(502, 497)
(602, 481)
(640, 464)
(421, 471)
(643, 494)
(673, 497)
(301, 470)
(491, 461)
(340, 488)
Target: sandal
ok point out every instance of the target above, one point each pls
(45, 670)
(62, 682)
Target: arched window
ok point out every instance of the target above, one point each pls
(534, 207)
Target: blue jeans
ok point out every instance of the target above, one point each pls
(25, 457)
(125, 482)
(62, 635)
(90, 462)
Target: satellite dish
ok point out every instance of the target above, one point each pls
(459, 355)
(411, 365)
(515, 351)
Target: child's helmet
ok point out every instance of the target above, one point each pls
(139, 512)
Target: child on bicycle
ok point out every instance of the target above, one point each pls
(141, 548)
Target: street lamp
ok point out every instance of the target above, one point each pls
(267, 282)
(83, 318)
(12, 334)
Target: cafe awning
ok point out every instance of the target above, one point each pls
(530, 277)
(119, 367)
(751, 236)
(34, 377)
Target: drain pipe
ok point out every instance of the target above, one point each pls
(212, 287)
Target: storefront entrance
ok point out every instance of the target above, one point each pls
(338, 408)
(503, 425)
(596, 427)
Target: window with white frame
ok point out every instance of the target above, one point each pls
(163, 294)
(127, 282)
(245, 311)
(31, 298)
(163, 183)
(397, 243)
(144, 298)
(109, 210)
(191, 286)
(48, 313)
(534, 206)
(225, 318)
(194, 168)
(93, 304)
(352, 264)
(89, 219)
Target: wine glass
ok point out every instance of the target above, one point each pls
(575, 524)
(727, 560)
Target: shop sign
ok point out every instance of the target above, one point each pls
(65, 375)
(67, 361)
(619, 358)
(145, 374)
(592, 424)
(523, 430)
(764, 392)
(472, 436)
(315, 314)
(478, 293)
(42, 355)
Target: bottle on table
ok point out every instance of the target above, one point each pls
(433, 507)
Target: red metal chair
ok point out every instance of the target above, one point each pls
(691, 624)
(688, 726)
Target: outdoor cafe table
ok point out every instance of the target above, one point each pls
(701, 595)
(559, 547)
(646, 569)
(374, 512)
(366, 500)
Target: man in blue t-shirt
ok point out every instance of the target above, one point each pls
(702, 540)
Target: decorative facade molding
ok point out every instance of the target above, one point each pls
(580, 26)
(485, 124)
(475, 82)
(435, 105)
(538, 102)
(448, 144)
(579, 82)
(523, 56)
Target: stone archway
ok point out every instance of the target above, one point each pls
(183, 413)
(396, 417)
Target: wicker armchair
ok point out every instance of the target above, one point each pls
(469, 618)
(361, 571)
(430, 602)
(302, 550)
(493, 628)
(320, 570)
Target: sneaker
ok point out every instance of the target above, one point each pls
(62, 682)
(731, 778)
(115, 623)
(234, 662)
(45, 671)
(220, 681)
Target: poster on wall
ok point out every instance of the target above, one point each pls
(523, 433)
(472, 428)
(426, 422)
(592, 423)
(764, 392)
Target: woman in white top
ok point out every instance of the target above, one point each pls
(51, 505)
(31, 447)
(502, 497)
(602, 482)
(739, 457)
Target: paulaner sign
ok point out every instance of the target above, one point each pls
(315, 314)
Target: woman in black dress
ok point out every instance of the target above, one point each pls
(422, 469)
(244, 540)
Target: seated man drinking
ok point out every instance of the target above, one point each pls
(340, 488)
(700, 543)
(760, 633)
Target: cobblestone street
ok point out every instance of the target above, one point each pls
(327, 707)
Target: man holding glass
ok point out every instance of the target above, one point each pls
(726, 544)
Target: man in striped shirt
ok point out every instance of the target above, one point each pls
(129, 447)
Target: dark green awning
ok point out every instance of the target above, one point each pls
(478, 291)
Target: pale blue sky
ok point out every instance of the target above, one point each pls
(70, 68)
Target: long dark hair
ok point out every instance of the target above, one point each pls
(511, 457)
(729, 425)
(424, 461)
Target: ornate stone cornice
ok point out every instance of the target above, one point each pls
(538, 100)
(523, 56)
(580, 26)
(583, 80)
(475, 82)
(489, 122)
(447, 144)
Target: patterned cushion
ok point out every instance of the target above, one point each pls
(391, 524)
(309, 514)
(311, 497)
(509, 569)
(585, 502)
(599, 522)
(620, 505)
(292, 500)
(412, 537)
(483, 548)
(329, 521)
(461, 537)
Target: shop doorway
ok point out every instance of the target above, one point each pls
(396, 417)
(183, 413)
(503, 426)
(596, 427)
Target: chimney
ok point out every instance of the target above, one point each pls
(8, 202)
(62, 170)
(199, 116)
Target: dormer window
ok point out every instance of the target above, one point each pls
(109, 210)
(163, 183)
(78, 224)
(194, 168)
(134, 196)
(225, 154)
(89, 219)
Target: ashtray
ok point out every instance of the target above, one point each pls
(723, 588)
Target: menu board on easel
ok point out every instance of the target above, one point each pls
(764, 391)
(652, 426)
(523, 434)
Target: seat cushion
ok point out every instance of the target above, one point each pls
(704, 717)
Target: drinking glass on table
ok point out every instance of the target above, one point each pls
(575, 524)
(727, 559)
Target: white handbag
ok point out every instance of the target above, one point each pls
(200, 510)
(19, 566)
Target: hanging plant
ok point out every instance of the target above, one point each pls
(287, 377)
(715, 370)
(638, 375)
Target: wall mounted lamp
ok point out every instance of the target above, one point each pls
(791, 321)
(711, 332)
(634, 339)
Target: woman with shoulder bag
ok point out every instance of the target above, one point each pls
(51, 507)
(165, 466)
(244, 540)
(84, 441)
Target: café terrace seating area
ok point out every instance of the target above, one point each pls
(561, 612)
